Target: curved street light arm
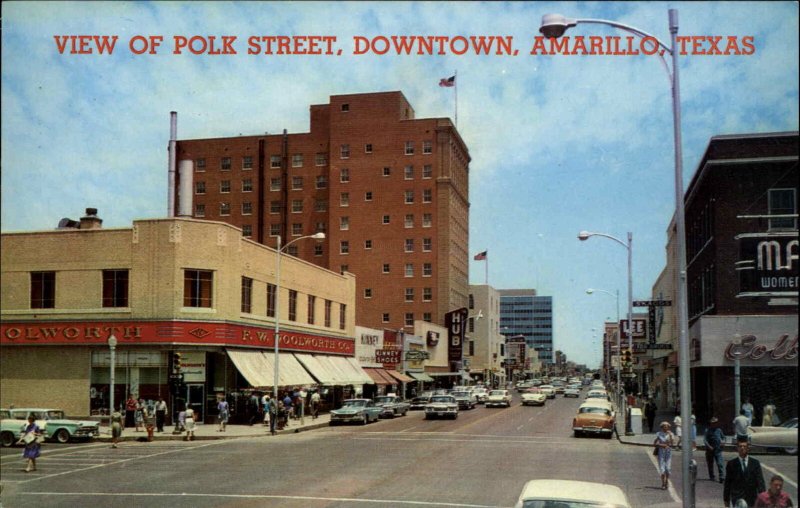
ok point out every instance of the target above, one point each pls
(611, 238)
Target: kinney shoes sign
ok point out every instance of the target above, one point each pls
(767, 264)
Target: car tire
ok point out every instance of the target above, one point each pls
(7, 439)
(332, 423)
(576, 433)
(62, 436)
(365, 420)
(427, 417)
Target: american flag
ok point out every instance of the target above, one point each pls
(448, 82)
(481, 256)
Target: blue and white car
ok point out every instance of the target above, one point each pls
(56, 426)
(360, 411)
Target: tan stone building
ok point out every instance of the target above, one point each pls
(161, 287)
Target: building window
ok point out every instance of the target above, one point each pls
(427, 244)
(247, 230)
(297, 229)
(368, 148)
(312, 303)
(409, 220)
(247, 185)
(225, 186)
(275, 161)
(345, 108)
(408, 172)
(387, 171)
(43, 290)
(247, 208)
(317, 249)
(368, 196)
(385, 318)
(320, 205)
(274, 207)
(409, 245)
(427, 147)
(471, 348)
(271, 289)
(409, 321)
(409, 269)
(200, 165)
(344, 199)
(200, 187)
(427, 294)
(367, 244)
(409, 294)
(367, 292)
(342, 316)
(224, 208)
(321, 182)
(247, 295)
(344, 268)
(386, 268)
(297, 206)
(291, 250)
(409, 148)
(344, 223)
(344, 175)
(321, 159)
(427, 220)
(328, 305)
(199, 210)
(297, 160)
(198, 288)
(274, 229)
(782, 202)
(115, 288)
(344, 152)
(274, 184)
(409, 197)
(427, 171)
(427, 196)
(292, 305)
(386, 219)
(344, 247)
(321, 227)
(427, 270)
(225, 164)
(247, 162)
(297, 183)
(427, 317)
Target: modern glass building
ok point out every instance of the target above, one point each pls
(522, 312)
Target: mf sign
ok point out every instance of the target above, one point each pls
(768, 264)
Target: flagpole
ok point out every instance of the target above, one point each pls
(456, 96)
(487, 269)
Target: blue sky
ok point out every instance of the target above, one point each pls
(559, 143)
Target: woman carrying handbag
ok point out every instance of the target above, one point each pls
(663, 443)
(30, 438)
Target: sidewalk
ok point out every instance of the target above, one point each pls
(210, 431)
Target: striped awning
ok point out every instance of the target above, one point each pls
(380, 376)
(399, 376)
(420, 376)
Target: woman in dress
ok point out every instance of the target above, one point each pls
(116, 427)
(130, 411)
(222, 407)
(663, 443)
(190, 425)
(139, 415)
(30, 438)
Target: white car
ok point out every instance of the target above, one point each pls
(498, 398)
(571, 391)
(598, 394)
(549, 391)
(533, 397)
(441, 406)
(571, 494)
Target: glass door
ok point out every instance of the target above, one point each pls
(195, 399)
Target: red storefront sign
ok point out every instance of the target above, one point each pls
(167, 332)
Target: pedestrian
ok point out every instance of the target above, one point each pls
(253, 408)
(161, 414)
(130, 411)
(677, 424)
(116, 427)
(139, 415)
(694, 433)
(287, 406)
(714, 439)
(265, 408)
(30, 438)
(740, 426)
(749, 410)
(190, 425)
(272, 406)
(770, 415)
(743, 478)
(664, 442)
(222, 417)
(650, 413)
(774, 497)
(315, 402)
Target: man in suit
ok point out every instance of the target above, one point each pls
(743, 478)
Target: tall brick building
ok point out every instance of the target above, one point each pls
(391, 193)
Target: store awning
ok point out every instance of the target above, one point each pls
(379, 376)
(342, 371)
(290, 372)
(252, 366)
(420, 376)
(324, 375)
(399, 376)
(443, 374)
(357, 370)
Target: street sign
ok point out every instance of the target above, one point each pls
(659, 345)
(630, 375)
(652, 303)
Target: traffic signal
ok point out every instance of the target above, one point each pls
(627, 358)
(176, 362)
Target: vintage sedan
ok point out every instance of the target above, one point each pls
(533, 397)
(571, 494)
(572, 391)
(56, 425)
(594, 418)
(10, 428)
(782, 437)
(419, 402)
(549, 391)
(598, 394)
(499, 398)
(465, 399)
(481, 393)
(442, 405)
(360, 411)
(392, 406)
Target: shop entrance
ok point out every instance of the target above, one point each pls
(195, 400)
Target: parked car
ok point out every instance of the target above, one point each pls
(442, 405)
(419, 402)
(598, 394)
(594, 418)
(549, 391)
(360, 411)
(499, 398)
(57, 426)
(781, 437)
(10, 428)
(465, 399)
(571, 494)
(392, 405)
(533, 397)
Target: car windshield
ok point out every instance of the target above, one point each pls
(354, 403)
(598, 410)
(460, 394)
(5, 414)
(54, 415)
(442, 398)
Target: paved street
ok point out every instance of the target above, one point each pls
(482, 459)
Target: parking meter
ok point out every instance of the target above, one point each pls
(692, 482)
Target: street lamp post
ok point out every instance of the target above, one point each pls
(278, 251)
(112, 346)
(554, 25)
(619, 335)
